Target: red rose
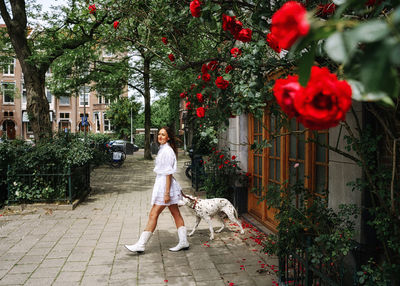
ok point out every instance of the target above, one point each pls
(221, 83)
(227, 22)
(248, 174)
(200, 112)
(164, 40)
(235, 52)
(289, 23)
(236, 28)
(195, 8)
(244, 35)
(212, 65)
(273, 42)
(233, 157)
(221, 156)
(171, 57)
(228, 68)
(326, 9)
(92, 9)
(116, 24)
(199, 97)
(188, 105)
(323, 103)
(206, 77)
(182, 94)
(285, 90)
(204, 68)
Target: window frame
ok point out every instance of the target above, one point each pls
(4, 90)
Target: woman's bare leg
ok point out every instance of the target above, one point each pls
(153, 217)
(176, 214)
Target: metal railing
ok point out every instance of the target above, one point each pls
(52, 187)
(296, 269)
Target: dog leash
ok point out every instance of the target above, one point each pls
(195, 201)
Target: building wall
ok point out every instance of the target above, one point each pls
(94, 109)
(342, 170)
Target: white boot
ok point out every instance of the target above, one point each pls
(183, 243)
(139, 246)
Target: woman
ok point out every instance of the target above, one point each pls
(166, 193)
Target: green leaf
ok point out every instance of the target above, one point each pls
(340, 47)
(305, 64)
(394, 55)
(370, 31)
(359, 94)
(396, 16)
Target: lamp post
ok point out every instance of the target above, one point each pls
(84, 110)
(131, 128)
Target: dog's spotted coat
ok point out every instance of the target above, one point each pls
(208, 208)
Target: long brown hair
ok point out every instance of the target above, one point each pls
(171, 141)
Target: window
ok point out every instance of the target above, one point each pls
(97, 121)
(104, 100)
(107, 124)
(10, 68)
(84, 96)
(64, 100)
(64, 115)
(29, 127)
(8, 113)
(8, 92)
(48, 95)
(23, 93)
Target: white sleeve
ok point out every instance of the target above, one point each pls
(166, 163)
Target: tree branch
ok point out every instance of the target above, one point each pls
(136, 88)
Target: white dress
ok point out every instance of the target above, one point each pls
(165, 165)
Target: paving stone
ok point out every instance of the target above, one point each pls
(74, 266)
(98, 280)
(69, 276)
(151, 278)
(14, 279)
(39, 281)
(23, 268)
(46, 272)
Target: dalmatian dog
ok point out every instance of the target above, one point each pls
(208, 208)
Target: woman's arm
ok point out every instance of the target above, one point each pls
(167, 188)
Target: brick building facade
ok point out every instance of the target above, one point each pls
(66, 113)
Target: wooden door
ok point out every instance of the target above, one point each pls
(293, 157)
(256, 169)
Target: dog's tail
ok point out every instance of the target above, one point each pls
(236, 213)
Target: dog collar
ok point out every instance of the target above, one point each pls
(195, 202)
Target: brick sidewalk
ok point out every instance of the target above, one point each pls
(85, 246)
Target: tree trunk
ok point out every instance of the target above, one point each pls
(38, 106)
(147, 109)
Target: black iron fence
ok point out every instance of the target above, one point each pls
(296, 268)
(57, 186)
